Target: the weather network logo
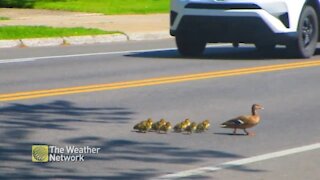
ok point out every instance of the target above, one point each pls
(40, 153)
(52, 153)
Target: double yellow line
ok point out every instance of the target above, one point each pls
(154, 81)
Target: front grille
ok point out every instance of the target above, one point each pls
(226, 29)
(222, 6)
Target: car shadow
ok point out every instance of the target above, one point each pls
(221, 53)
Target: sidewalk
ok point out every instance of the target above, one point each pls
(136, 27)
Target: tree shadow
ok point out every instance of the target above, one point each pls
(17, 3)
(22, 3)
(149, 152)
(20, 123)
(206, 173)
(222, 53)
(133, 174)
(42, 115)
(246, 169)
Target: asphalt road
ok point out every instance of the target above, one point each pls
(90, 113)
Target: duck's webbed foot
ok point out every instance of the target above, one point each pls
(249, 133)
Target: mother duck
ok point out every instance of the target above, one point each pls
(244, 122)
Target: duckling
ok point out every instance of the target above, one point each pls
(191, 128)
(244, 122)
(149, 120)
(187, 121)
(206, 124)
(203, 126)
(165, 127)
(200, 128)
(149, 123)
(180, 126)
(137, 126)
(143, 126)
(156, 126)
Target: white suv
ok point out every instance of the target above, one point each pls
(265, 23)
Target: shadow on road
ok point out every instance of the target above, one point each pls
(230, 134)
(151, 152)
(222, 53)
(20, 123)
(17, 3)
(23, 125)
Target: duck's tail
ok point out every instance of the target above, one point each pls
(223, 125)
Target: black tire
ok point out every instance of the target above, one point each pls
(304, 46)
(189, 45)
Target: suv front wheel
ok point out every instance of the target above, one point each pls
(305, 44)
(190, 45)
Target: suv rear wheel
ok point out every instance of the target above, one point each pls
(305, 44)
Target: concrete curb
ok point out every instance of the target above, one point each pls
(9, 43)
(81, 40)
(78, 40)
(149, 36)
(110, 38)
(39, 42)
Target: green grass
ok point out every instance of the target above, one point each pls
(4, 18)
(105, 6)
(20, 32)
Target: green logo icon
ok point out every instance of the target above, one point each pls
(40, 153)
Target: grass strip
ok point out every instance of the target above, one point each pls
(21, 32)
(94, 6)
(4, 18)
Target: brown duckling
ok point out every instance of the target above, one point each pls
(180, 126)
(203, 126)
(165, 128)
(191, 128)
(143, 126)
(187, 122)
(156, 126)
(206, 124)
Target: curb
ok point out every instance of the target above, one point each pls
(9, 43)
(149, 36)
(39, 42)
(81, 40)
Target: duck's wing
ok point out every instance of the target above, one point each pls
(239, 121)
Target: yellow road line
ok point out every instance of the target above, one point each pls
(155, 81)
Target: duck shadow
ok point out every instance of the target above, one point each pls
(221, 53)
(230, 134)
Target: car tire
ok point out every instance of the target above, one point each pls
(305, 44)
(190, 45)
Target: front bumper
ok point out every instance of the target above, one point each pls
(273, 14)
(231, 29)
